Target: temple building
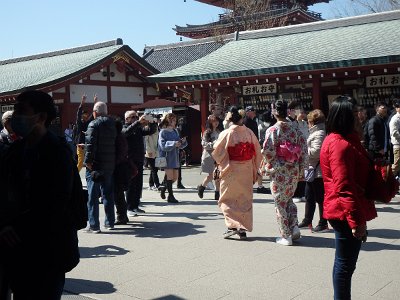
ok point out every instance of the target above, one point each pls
(111, 70)
(252, 15)
(310, 63)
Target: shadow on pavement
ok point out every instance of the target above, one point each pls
(192, 216)
(161, 230)
(102, 251)
(169, 297)
(384, 233)
(83, 286)
(388, 209)
(262, 201)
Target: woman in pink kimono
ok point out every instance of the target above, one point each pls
(238, 154)
(285, 151)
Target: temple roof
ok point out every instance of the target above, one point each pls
(294, 15)
(227, 3)
(46, 69)
(171, 56)
(355, 41)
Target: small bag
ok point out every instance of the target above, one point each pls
(310, 173)
(216, 173)
(161, 162)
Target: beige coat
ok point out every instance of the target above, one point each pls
(151, 143)
(314, 144)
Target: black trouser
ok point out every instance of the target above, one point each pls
(134, 192)
(120, 202)
(315, 194)
(153, 178)
(300, 190)
(180, 175)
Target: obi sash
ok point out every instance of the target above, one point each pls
(242, 151)
(288, 152)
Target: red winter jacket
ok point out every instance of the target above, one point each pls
(345, 169)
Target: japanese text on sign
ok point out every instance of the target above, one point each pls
(383, 80)
(5, 108)
(259, 89)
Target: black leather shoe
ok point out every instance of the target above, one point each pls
(180, 186)
(171, 199)
(200, 191)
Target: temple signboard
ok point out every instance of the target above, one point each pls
(383, 81)
(259, 89)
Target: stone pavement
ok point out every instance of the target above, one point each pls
(177, 252)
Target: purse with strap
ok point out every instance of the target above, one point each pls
(310, 173)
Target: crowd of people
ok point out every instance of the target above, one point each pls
(324, 160)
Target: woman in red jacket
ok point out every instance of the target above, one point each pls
(345, 168)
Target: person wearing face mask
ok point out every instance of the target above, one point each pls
(38, 241)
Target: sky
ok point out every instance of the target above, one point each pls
(37, 26)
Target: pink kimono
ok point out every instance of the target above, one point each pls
(238, 153)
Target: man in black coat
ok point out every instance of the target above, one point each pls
(134, 130)
(38, 241)
(249, 121)
(377, 136)
(100, 164)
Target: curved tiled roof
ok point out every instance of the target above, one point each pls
(168, 57)
(362, 40)
(44, 69)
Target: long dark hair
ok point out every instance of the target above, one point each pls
(341, 116)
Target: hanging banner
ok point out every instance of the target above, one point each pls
(383, 81)
(259, 89)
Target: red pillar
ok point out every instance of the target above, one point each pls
(316, 93)
(204, 108)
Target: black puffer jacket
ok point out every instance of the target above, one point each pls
(376, 131)
(134, 134)
(100, 144)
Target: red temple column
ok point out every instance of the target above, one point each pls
(204, 101)
(316, 93)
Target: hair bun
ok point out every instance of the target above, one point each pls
(235, 115)
(281, 107)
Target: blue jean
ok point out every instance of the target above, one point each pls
(346, 255)
(95, 189)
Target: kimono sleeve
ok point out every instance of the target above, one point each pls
(220, 153)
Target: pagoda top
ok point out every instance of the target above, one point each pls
(228, 3)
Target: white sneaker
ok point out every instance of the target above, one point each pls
(284, 242)
(296, 233)
(132, 213)
(296, 200)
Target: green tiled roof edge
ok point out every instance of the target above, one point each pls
(280, 70)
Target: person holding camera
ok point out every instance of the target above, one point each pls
(100, 163)
(134, 130)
